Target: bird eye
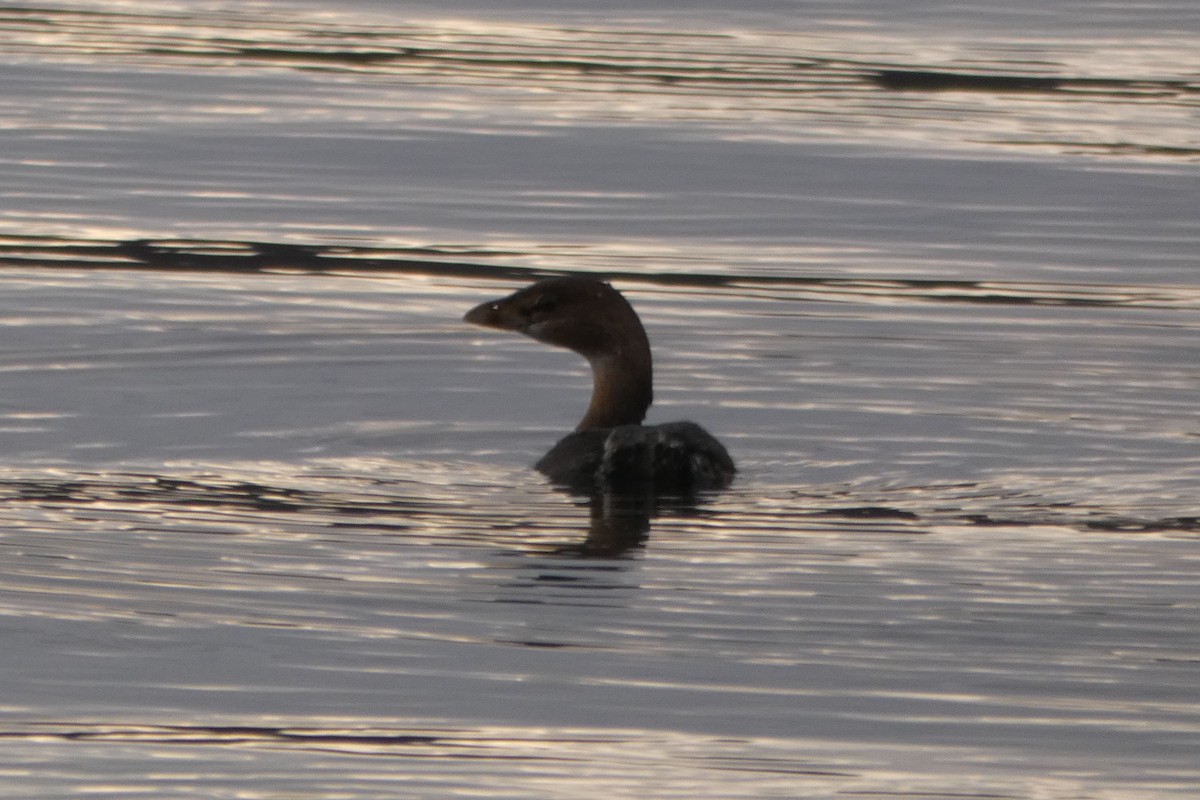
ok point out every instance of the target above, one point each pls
(545, 304)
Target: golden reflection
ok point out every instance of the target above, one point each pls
(1133, 100)
(425, 268)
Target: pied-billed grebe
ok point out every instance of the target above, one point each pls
(610, 448)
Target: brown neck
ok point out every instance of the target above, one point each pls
(621, 388)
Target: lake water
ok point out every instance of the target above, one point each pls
(267, 523)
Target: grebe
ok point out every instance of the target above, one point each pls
(610, 449)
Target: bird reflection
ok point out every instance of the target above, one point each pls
(617, 522)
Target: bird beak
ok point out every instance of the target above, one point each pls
(495, 314)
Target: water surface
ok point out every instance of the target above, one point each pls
(269, 528)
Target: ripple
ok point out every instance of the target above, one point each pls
(748, 83)
(233, 257)
(885, 628)
(268, 524)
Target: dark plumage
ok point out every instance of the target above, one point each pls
(610, 448)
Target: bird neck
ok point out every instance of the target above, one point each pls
(622, 387)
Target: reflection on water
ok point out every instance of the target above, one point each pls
(446, 262)
(268, 521)
(275, 625)
(417, 507)
(782, 85)
(430, 761)
(270, 514)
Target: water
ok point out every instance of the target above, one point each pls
(269, 528)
